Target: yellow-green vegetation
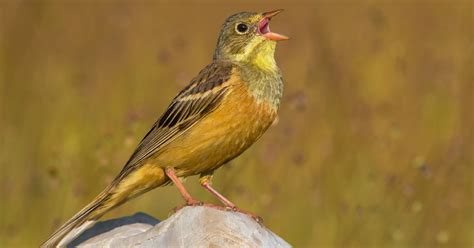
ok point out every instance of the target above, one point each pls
(374, 145)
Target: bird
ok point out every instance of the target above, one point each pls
(215, 118)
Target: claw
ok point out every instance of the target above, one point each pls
(255, 217)
(193, 202)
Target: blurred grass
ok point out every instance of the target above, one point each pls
(373, 148)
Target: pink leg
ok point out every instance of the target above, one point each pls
(205, 182)
(218, 195)
(171, 173)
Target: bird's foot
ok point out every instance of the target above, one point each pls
(257, 218)
(189, 203)
(233, 208)
(193, 203)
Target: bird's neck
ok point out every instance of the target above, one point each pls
(258, 69)
(263, 57)
(264, 85)
(257, 53)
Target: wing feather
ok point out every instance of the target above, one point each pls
(194, 102)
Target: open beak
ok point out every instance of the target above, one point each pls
(264, 26)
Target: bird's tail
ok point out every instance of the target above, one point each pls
(123, 188)
(81, 221)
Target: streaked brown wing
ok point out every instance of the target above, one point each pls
(194, 102)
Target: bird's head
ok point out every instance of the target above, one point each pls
(246, 37)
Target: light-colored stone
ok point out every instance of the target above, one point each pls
(189, 227)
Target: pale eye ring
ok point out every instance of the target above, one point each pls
(241, 28)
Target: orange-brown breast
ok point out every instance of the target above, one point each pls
(222, 135)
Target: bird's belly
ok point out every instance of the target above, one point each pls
(220, 136)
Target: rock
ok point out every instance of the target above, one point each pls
(104, 232)
(189, 227)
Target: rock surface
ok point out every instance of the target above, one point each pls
(189, 227)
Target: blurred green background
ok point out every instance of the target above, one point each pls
(374, 147)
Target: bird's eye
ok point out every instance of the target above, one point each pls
(242, 28)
